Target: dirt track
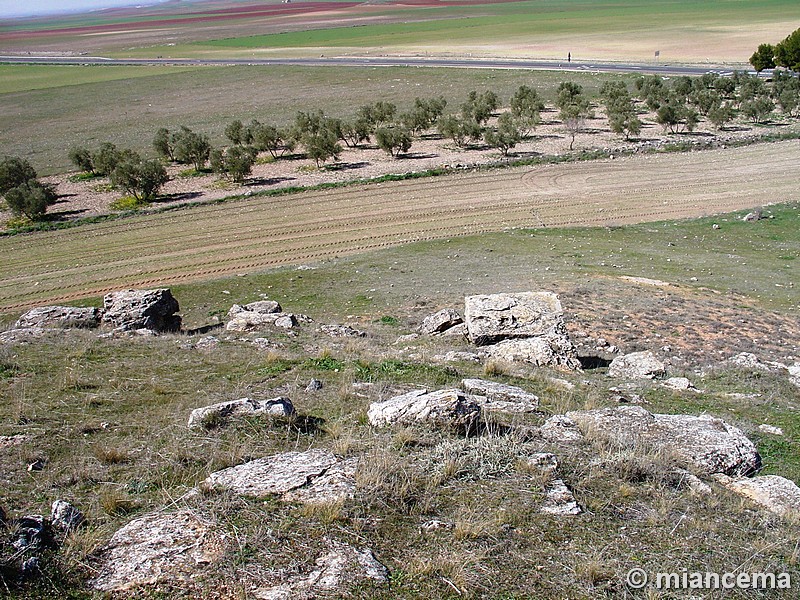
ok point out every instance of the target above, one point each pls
(255, 234)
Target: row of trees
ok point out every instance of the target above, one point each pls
(785, 53)
(679, 104)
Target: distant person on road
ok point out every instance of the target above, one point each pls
(569, 57)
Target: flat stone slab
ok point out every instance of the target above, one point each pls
(500, 397)
(553, 349)
(60, 317)
(441, 408)
(773, 492)
(273, 475)
(157, 548)
(709, 444)
(343, 566)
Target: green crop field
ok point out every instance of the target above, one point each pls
(502, 22)
(24, 78)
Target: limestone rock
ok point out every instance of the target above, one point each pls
(59, 317)
(559, 500)
(552, 349)
(64, 516)
(545, 462)
(21, 336)
(244, 407)
(441, 321)
(441, 408)
(130, 310)
(496, 317)
(286, 321)
(637, 365)
(314, 385)
(32, 532)
(501, 397)
(157, 548)
(336, 484)
(794, 374)
(777, 494)
(341, 567)
(263, 307)
(560, 429)
(345, 331)
(709, 444)
(770, 429)
(679, 384)
(748, 360)
(274, 475)
(9, 441)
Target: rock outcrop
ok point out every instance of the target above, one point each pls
(157, 548)
(439, 322)
(499, 397)
(131, 310)
(706, 443)
(215, 414)
(527, 327)
(449, 408)
(60, 317)
(637, 365)
(322, 477)
(341, 567)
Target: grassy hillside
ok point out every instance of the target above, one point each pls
(108, 416)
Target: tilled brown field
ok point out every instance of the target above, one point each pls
(255, 234)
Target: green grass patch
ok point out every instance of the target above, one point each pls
(128, 203)
(25, 78)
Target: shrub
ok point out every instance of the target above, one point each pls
(31, 199)
(82, 158)
(142, 179)
(14, 172)
(393, 140)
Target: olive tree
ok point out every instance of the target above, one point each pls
(507, 135)
(139, 178)
(393, 140)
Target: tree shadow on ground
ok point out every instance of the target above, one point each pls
(345, 166)
(260, 181)
(177, 197)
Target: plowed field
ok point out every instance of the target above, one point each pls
(258, 233)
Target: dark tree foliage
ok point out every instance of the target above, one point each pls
(393, 140)
(191, 148)
(763, 58)
(236, 162)
(162, 143)
(460, 130)
(14, 171)
(82, 158)
(31, 199)
(142, 179)
(787, 52)
(507, 135)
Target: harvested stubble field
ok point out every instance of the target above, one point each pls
(254, 234)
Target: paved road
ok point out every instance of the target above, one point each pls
(381, 61)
